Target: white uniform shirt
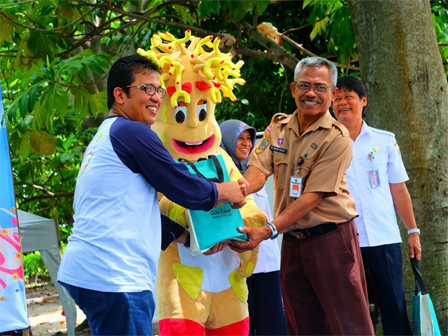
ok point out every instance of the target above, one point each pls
(269, 253)
(377, 221)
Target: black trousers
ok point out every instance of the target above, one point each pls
(385, 265)
(265, 304)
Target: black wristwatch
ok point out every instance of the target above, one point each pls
(274, 233)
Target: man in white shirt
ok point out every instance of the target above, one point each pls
(376, 179)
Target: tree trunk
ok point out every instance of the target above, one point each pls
(407, 91)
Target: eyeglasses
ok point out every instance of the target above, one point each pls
(150, 89)
(318, 88)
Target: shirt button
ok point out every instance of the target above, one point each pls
(309, 166)
(276, 160)
(298, 141)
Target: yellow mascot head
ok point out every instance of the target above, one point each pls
(194, 79)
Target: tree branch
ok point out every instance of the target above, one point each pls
(17, 3)
(36, 186)
(58, 195)
(47, 30)
(295, 29)
(296, 45)
(280, 54)
(241, 49)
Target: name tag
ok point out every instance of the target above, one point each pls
(295, 186)
(374, 177)
(278, 149)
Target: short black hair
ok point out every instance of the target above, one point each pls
(122, 74)
(351, 83)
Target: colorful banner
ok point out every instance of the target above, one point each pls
(13, 314)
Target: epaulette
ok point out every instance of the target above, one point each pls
(342, 128)
(279, 117)
(380, 131)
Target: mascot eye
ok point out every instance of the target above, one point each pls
(180, 114)
(202, 111)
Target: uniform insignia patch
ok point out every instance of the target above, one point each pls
(262, 146)
(280, 141)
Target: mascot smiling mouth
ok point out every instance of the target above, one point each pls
(193, 147)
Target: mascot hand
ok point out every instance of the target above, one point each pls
(248, 260)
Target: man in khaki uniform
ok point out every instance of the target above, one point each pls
(322, 275)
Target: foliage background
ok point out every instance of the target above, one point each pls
(54, 58)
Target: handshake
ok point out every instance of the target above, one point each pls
(234, 192)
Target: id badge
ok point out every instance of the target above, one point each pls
(295, 186)
(374, 177)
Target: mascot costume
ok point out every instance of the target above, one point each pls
(201, 294)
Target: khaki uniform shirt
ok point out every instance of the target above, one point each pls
(327, 152)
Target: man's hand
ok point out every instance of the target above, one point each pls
(244, 185)
(218, 247)
(415, 250)
(255, 235)
(231, 192)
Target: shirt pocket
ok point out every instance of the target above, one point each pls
(281, 173)
(305, 170)
(381, 158)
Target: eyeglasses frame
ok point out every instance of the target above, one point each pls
(144, 86)
(313, 87)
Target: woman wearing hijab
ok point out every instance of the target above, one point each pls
(265, 301)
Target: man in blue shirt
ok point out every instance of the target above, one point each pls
(110, 264)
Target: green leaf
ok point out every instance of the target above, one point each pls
(239, 13)
(53, 99)
(307, 2)
(43, 143)
(314, 32)
(25, 145)
(81, 98)
(22, 49)
(261, 6)
(40, 116)
(98, 103)
(6, 28)
(67, 143)
(23, 104)
(42, 45)
(204, 9)
(215, 6)
(69, 66)
(184, 14)
(32, 95)
(66, 157)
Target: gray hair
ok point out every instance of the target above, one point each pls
(317, 62)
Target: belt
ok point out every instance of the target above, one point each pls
(314, 231)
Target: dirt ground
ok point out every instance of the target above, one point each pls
(45, 314)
